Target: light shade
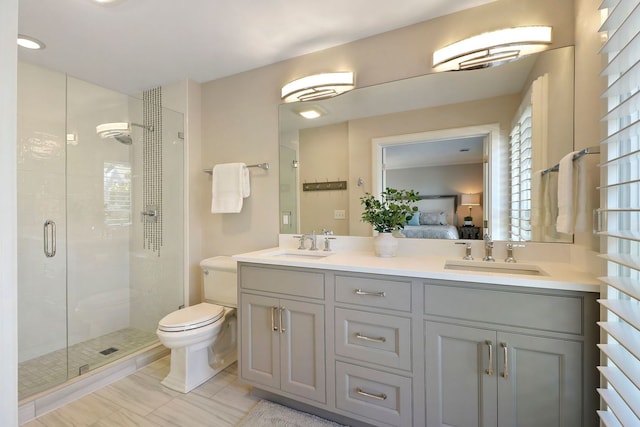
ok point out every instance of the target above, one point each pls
(492, 48)
(318, 86)
(470, 200)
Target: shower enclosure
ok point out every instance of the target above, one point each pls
(100, 225)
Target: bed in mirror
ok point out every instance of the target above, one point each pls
(440, 134)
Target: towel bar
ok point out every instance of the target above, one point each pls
(264, 166)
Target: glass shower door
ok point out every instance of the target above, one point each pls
(41, 165)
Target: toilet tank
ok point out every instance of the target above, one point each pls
(220, 281)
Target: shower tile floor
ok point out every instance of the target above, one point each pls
(43, 372)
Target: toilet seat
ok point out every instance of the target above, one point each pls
(189, 318)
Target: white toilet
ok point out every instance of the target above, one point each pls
(202, 338)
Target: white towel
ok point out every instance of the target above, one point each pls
(580, 208)
(229, 185)
(565, 222)
(537, 192)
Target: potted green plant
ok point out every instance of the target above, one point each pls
(388, 213)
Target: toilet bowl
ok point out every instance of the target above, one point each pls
(202, 337)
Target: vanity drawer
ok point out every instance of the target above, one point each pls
(558, 313)
(291, 282)
(381, 293)
(375, 338)
(375, 395)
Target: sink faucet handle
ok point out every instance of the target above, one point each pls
(510, 247)
(327, 243)
(327, 232)
(467, 256)
(301, 242)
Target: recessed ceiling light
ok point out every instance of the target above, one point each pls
(310, 114)
(30, 42)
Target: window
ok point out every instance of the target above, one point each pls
(117, 193)
(520, 178)
(620, 194)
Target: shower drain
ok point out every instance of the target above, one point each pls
(108, 351)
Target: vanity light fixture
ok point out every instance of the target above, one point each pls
(30, 42)
(492, 48)
(318, 86)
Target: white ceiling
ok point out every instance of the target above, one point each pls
(137, 44)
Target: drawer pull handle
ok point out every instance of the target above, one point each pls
(505, 349)
(282, 329)
(273, 323)
(380, 396)
(373, 294)
(489, 370)
(366, 338)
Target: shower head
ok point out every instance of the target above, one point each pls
(121, 132)
(112, 130)
(123, 139)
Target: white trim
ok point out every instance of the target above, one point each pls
(493, 160)
(8, 215)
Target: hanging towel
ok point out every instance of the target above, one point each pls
(537, 192)
(580, 209)
(565, 222)
(229, 185)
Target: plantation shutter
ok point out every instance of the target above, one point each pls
(620, 198)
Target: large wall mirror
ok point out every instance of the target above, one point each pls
(482, 135)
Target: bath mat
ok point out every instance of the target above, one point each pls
(269, 414)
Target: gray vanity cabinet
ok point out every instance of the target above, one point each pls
(481, 377)
(383, 350)
(282, 339)
(508, 356)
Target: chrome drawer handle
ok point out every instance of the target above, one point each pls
(380, 396)
(282, 329)
(373, 294)
(273, 323)
(366, 338)
(489, 370)
(505, 365)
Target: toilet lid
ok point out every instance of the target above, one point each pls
(193, 317)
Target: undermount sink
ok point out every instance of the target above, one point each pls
(302, 254)
(495, 267)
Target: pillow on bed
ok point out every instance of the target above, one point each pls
(433, 218)
(415, 219)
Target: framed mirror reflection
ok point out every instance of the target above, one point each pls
(486, 132)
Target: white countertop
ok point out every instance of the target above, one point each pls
(561, 276)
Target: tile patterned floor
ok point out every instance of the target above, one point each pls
(42, 372)
(140, 400)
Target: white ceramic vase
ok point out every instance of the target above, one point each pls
(385, 245)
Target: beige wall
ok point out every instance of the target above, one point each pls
(240, 114)
(324, 157)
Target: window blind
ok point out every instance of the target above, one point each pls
(520, 143)
(117, 193)
(620, 196)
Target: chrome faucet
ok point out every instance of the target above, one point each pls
(488, 248)
(304, 237)
(510, 247)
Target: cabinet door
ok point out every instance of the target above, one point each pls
(543, 384)
(302, 349)
(459, 390)
(260, 350)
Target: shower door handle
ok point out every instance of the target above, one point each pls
(49, 238)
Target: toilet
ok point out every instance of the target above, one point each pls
(202, 337)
